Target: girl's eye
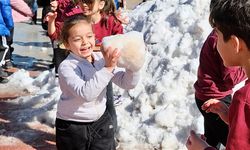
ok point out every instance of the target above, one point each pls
(77, 39)
(89, 36)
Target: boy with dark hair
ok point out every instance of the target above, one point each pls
(215, 81)
(231, 22)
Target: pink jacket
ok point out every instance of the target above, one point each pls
(20, 11)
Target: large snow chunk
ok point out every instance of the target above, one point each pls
(132, 49)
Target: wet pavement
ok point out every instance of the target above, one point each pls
(32, 47)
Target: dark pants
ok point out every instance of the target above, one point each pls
(110, 105)
(9, 43)
(58, 56)
(98, 135)
(3, 48)
(216, 130)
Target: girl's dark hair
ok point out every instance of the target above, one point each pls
(231, 17)
(69, 23)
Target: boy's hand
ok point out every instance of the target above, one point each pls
(111, 57)
(217, 107)
(194, 142)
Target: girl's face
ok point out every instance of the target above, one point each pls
(226, 49)
(89, 8)
(81, 40)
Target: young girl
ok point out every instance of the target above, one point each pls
(82, 119)
(104, 23)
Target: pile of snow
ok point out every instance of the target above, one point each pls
(160, 111)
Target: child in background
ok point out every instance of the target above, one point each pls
(215, 81)
(102, 14)
(60, 10)
(83, 121)
(20, 12)
(233, 44)
(6, 24)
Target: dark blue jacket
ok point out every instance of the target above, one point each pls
(6, 20)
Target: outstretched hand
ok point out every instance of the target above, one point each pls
(196, 142)
(121, 16)
(111, 56)
(217, 107)
(50, 17)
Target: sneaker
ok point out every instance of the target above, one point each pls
(8, 65)
(3, 73)
(117, 100)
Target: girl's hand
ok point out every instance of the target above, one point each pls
(54, 5)
(194, 142)
(111, 57)
(50, 17)
(217, 107)
(121, 16)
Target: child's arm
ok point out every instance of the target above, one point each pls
(217, 107)
(51, 17)
(194, 142)
(121, 16)
(124, 79)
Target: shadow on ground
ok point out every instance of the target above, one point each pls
(33, 135)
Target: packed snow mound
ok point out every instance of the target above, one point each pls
(132, 49)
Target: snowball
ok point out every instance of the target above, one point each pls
(132, 49)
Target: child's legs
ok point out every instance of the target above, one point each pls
(59, 55)
(110, 105)
(9, 43)
(216, 130)
(102, 133)
(70, 136)
(3, 49)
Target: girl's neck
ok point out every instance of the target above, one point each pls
(95, 18)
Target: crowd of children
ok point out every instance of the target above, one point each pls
(86, 117)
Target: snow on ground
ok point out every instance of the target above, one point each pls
(160, 111)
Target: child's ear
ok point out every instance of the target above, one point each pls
(236, 43)
(101, 4)
(66, 45)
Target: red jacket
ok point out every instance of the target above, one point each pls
(239, 120)
(214, 79)
(101, 30)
